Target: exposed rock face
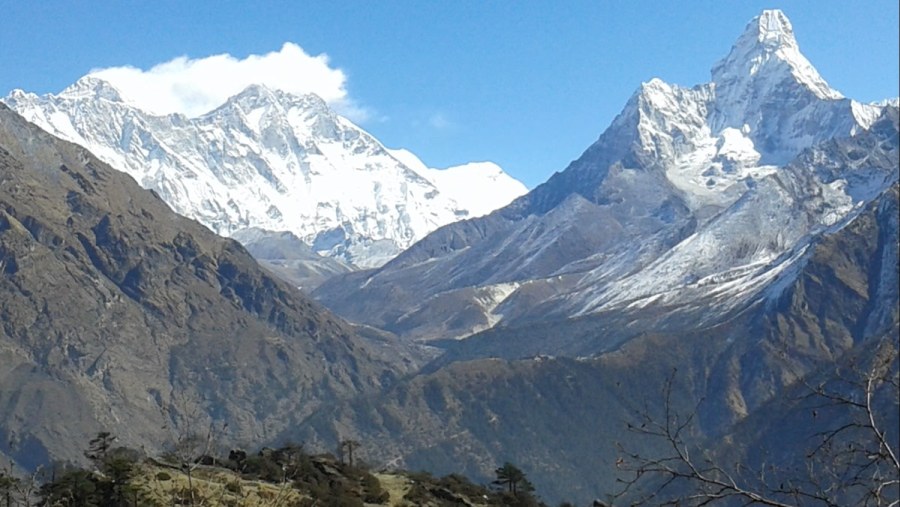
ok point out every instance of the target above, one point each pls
(560, 419)
(119, 314)
(692, 198)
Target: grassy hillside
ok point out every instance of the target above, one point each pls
(284, 477)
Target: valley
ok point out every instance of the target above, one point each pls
(722, 260)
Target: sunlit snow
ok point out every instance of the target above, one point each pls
(275, 161)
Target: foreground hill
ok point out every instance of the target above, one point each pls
(285, 476)
(119, 313)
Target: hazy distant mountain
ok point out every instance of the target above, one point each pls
(275, 161)
(694, 203)
(119, 315)
(287, 256)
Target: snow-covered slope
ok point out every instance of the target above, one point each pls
(476, 186)
(270, 160)
(725, 147)
(693, 199)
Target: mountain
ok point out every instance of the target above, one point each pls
(693, 204)
(476, 186)
(290, 258)
(118, 314)
(740, 236)
(563, 419)
(269, 160)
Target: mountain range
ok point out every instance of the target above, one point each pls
(693, 204)
(275, 161)
(742, 233)
(117, 312)
(739, 238)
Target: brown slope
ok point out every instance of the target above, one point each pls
(118, 314)
(789, 430)
(560, 419)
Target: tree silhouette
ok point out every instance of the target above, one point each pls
(8, 486)
(118, 469)
(349, 445)
(513, 479)
(194, 435)
(73, 488)
(98, 447)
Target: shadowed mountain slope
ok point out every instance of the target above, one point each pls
(561, 419)
(118, 313)
(287, 256)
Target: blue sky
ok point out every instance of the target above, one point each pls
(526, 84)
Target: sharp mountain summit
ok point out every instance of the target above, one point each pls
(738, 239)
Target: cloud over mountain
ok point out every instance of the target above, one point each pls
(193, 86)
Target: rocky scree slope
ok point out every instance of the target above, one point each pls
(688, 200)
(275, 161)
(116, 312)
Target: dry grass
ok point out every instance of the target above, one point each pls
(212, 488)
(217, 487)
(396, 485)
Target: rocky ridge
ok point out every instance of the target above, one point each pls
(690, 192)
(119, 313)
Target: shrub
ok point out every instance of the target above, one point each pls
(373, 490)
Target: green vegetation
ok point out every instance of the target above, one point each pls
(283, 477)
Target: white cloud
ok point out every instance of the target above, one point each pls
(196, 86)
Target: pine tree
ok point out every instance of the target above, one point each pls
(98, 447)
(513, 479)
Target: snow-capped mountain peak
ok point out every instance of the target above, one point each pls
(767, 53)
(91, 87)
(764, 105)
(257, 95)
(728, 143)
(264, 158)
(773, 29)
(473, 186)
(693, 199)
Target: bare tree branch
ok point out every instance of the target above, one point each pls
(853, 462)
